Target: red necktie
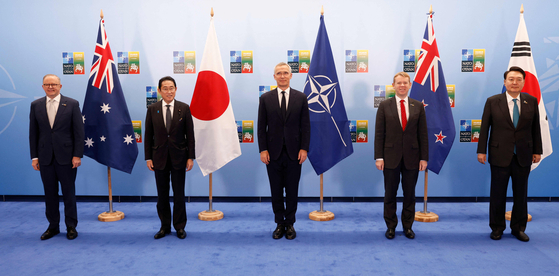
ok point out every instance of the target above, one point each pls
(403, 114)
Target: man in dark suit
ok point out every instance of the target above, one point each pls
(401, 147)
(169, 150)
(514, 144)
(283, 139)
(56, 141)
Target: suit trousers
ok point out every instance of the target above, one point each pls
(284, 173)
(52, 174)
(177, 178)
(497, 203)
(391, 183)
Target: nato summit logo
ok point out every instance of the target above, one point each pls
(409, 61)
(73, 63)
(245, 130)
(473, 60)
(299, 60)
(469, 130)
(184, 62)
(356, 61)
(359, 130)
(241, 62)
(380, 94)
(265, 88)
(151, 95)
(128, 62)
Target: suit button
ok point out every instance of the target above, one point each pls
(168, 136)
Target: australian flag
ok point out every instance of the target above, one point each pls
(429, 87)
(330, 135)
(110, 138)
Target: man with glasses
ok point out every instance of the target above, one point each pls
(56, 141)
(169, 152)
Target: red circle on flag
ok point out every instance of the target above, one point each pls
(211, 96)
(531, 86)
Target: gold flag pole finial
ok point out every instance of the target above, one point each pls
(102, 16)
(431, 9)
(521, 8)
(212, 12)
(322, 10)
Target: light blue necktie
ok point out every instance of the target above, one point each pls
(515, 115)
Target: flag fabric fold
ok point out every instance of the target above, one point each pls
(429, 87)
(330, 133)
(521, 56)
(215, 129)
(110, 138)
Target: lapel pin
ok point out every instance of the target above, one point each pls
(525, 102)
(412, 105)
(63, 104)
(157, 111)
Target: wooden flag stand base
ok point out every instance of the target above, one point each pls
(210, 214)
(508, 215)
(426, 216)
(110, 215)
(321, 215)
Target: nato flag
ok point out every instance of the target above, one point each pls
(330, 136)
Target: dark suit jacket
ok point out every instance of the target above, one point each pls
(66, 138)
(179, 143)
(504, 136)
(392, 143)
(272, 128)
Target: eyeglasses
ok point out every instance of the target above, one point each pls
(170, 89)
(51, 84)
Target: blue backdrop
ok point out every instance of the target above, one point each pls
(35, 33)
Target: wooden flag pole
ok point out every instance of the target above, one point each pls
(110, 215)
(210, 214)
(321, 215)
(426, 216)
(508, 214)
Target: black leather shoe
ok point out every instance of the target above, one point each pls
(496, 235)
(409, 233)
(181, 234)
(290, 232)
(161, 233)
(520, 235)
(390, 233)
(278, 233)
(49, 234)
(71, 233)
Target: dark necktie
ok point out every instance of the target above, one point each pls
(403, 114)
(283, 105)
(168, 118)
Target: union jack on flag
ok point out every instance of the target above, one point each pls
(429, 87)
(429, 59)
(110, 137)
(102, 68)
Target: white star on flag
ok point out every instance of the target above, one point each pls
(424, 104)
(105, 108)
(89, 142)
(103, 138)
(128, 139)
(83, 117)
(325, 90)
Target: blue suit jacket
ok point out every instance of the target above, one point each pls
(66, 138)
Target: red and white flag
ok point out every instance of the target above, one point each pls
(215, 129)
(522, 57)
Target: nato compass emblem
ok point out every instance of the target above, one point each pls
(7, 98)
(323, 97)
